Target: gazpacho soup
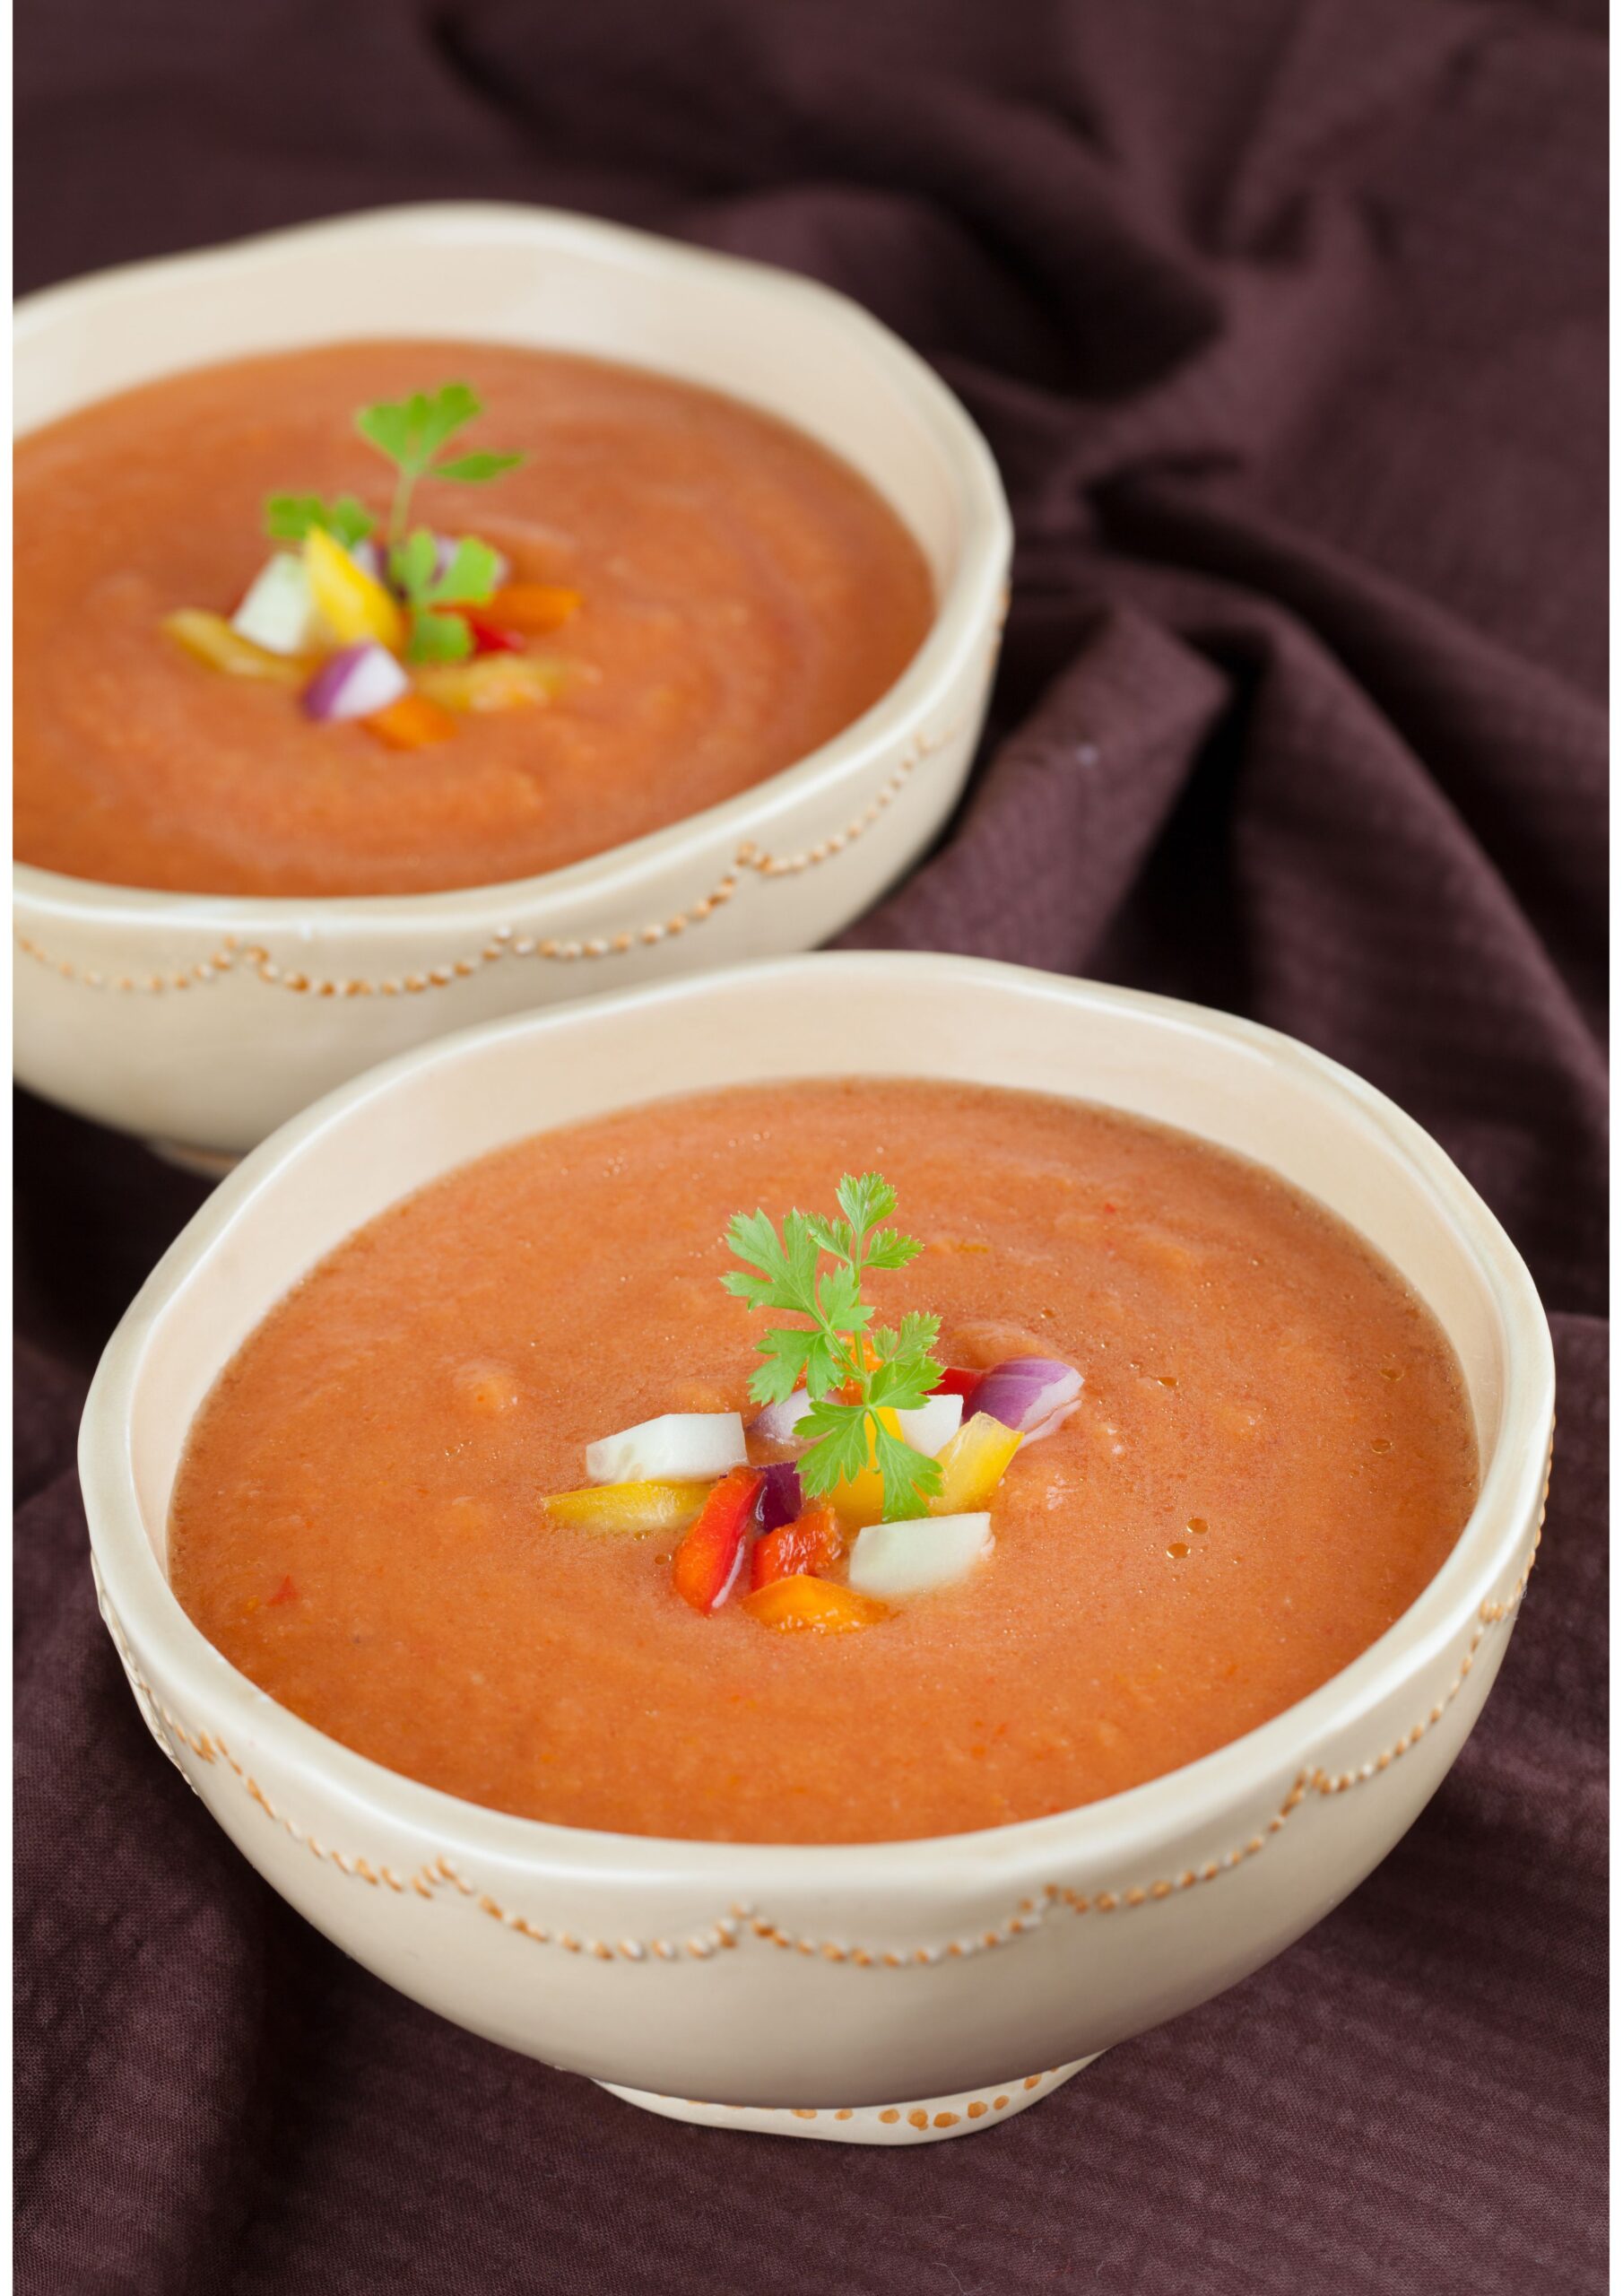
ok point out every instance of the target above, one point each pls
(666, 1474)
(324, 623)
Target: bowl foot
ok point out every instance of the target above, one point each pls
(206, 1163)
(924, 2122)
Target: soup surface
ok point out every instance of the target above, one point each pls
(745, 597)
(1272, 1455)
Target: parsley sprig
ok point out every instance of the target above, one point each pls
(411, 433)
(408, 432)
(468, 578)
(854, 1370)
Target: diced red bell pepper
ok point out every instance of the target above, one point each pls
(813, 1540)
(706, 1562)
(489, 637)
(958, 1383)
(286, 1593)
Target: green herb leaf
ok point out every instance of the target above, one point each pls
(469, 579)
(474, 470)
(852, 1368)
(787, 1353)
(909, 1479)
(412, 563)
(288, 517)
(840, 1448)
(390, 429)
(439, 638)
(866, 1201)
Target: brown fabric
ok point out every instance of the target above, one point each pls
(1284, 321)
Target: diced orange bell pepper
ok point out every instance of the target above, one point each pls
(532, 607)
(209, 638)
(812, 1540)
(415, 722)
(973, 1464)
(706, 1562)
(633, 1511)
(803, 1606)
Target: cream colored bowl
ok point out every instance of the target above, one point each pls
(203, 1021)
(886, 1992)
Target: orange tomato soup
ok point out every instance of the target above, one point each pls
(746, 596)
(1271, 1457)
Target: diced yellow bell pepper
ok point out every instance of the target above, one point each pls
(209, 638)
(807, 1605)
(637, 1510)
(350, 602)
(495, 681)
(973, 1464)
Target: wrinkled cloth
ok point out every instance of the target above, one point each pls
(1284, 321)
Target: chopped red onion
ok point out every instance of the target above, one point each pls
(779, 1422)
(368, 557)
(780, 1499)
(1031, 1392)
(356, 683)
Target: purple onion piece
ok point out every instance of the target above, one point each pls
(776, 1423)
(356, 683)
(368, 557)
(780, 1499)
(1029, 1392)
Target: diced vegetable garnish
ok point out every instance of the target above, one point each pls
(780, 1497)
(932, 1427)
(533, 607)
(958, 1383)
(1029, 1392)
(810, 1543)
(635, 1510)
(803, 1606)
(494, 682)
(351, 603)
(779, 1422)
(488, 638)
(413, 723)
(892, 1561)
(210, 638)
(286, 1593)
(973, 1464)
(279, 612)
(709, 1558)
(681, 1447)
(357, 682)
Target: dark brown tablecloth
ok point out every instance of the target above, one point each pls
(1284, 321)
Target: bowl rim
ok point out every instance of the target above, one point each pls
(1120, 1827)
(963, 609)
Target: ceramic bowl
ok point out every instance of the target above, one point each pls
(886, 1992)
(204, 1022)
